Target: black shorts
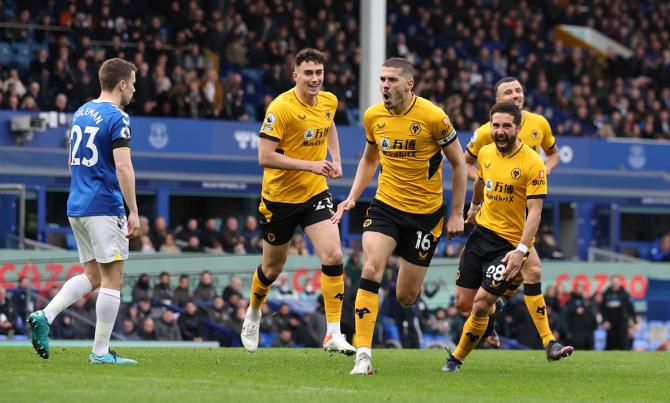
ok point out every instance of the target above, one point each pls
(416, 235)
(481, 265)
(279, 220)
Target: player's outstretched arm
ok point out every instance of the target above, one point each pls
(470, 162)
(364, 173)
(553, 158)
(459, 182)
(126, 175)
(477, 200)
(514, 259)
(334, 151)
(268, 157)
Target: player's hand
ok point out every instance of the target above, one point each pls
(341, 208)
(472, 215)
(336, 172)
(321, 167)
(133, 225)
(455, 225)
(513, 261)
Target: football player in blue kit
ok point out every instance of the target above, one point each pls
(102, 178)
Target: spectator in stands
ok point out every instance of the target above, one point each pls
(661, 250)
(190, 323)
(162, 291)
(83, 318)
(128, 330)
(63, 328)
(205, 290)
(170, 246)
(618, 316)
(21, 297)
(231, 238)
(548, 248)
(580, 320)
(147, 245)
(219, 313)
(166, 327)
(193, 245)
(285, 339)
(298, 246)
(159, 232)
(7, 314)
(234, 288)
(182, 293)
(209, 235)
(252, 235)
(14, 84)
(144, 311)
(191, 230)
(148, 330)
(284, 288)
(142, 288)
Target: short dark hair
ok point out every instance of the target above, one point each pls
(114, 71)
(310, 55)
(509, 108)
(504, 80)
(399, 63)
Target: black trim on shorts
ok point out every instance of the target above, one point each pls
(543, 196)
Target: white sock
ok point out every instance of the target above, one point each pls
(72, 290)
(366, 350)
(106, 310)
(254, 314)
(332, 328)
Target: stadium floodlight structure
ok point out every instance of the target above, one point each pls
(373, 51)
(19, 190)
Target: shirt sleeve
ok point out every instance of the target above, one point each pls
(548, 139)
(479, 139)
(120, 131)
(536, 184)
(443, 131)
(368, 124)
(274, 123)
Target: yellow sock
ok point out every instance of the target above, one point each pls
(332, 288)
(366, 307)
(538, 311)
(260, 287)
(472, 332)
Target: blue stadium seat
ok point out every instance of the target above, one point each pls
(6, 54)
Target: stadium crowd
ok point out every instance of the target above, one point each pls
(225, 59)
(212, 311)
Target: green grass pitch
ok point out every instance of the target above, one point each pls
(309, 375)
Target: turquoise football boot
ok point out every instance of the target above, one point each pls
(110, 358)
(40, 329)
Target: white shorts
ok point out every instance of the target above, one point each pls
(101, 238)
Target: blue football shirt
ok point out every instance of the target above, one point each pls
(94, 187)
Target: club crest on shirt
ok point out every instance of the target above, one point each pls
(516, 173)
(415, 128)
(535, 134)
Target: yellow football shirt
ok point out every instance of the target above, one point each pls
(302, 133)
(410, 151)
(535, 131)
(508, 184)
